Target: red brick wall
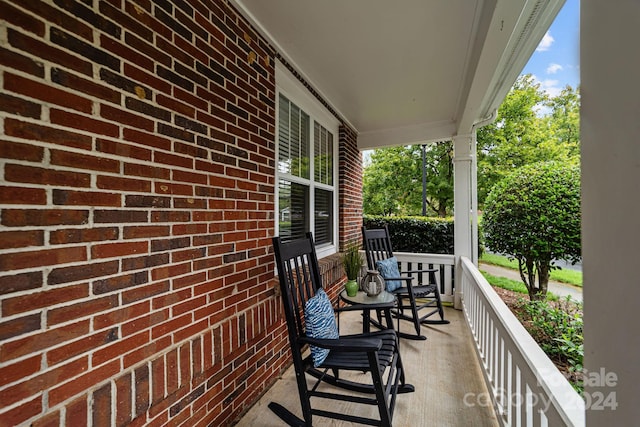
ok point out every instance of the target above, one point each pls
(350, 174)
(137, 207)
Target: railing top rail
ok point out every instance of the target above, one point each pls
(553, 382)
(419, 257)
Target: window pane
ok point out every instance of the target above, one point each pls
(323, 232)
(323, 154)
(293, 139)
(293, 205)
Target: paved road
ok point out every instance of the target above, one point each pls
(557, 288)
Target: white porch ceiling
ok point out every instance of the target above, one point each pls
(406, 71)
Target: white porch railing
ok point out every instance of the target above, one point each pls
(444, 276)
(525, 386)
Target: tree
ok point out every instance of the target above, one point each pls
(533, 215)
(530, 127)
(392, 182)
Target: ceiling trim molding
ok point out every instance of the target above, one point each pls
(408, 135)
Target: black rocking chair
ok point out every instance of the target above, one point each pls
(376, 352)
(377, 245)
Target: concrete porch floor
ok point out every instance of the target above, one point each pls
(450, 389)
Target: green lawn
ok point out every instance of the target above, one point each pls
(565, 275)
(512, 285)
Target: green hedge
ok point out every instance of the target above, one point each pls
(416, 234)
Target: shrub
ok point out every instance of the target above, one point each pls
(416, 234)
(533, 215)
(557, 328)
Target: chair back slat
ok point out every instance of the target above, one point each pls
(377, 245)
(299, 279)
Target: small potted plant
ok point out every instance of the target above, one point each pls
(352, 262)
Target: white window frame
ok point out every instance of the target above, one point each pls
(289, 86)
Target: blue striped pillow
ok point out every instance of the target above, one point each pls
(389, 268)
(321, 323)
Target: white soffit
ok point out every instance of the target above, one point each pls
(405, 71)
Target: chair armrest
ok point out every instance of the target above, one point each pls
(408, 279)
(426, 270)
(347, 345)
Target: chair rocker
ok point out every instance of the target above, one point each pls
(414, 298)
(375, 353)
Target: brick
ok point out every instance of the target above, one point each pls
(85, 50)
(22, 196)
(123, 184)
(88, 87)
(123, 386)
(16, 61)
(120, 315)
(171, 369)
(34, 175)
(123, 150)
(147, 139)
(16, 327)
(115, 216)
(82, 272)
(142, 390)
(137, 201)
(95, 20)
(146, 261)
(46, 379)
(121, 50)
(176, 133)
(22, 413)
(123, 117)
(148, 49)
(81, 309)
(36, 132)
(81, 346)
(147, 109)
(17, 17)
(43, 340)
(173, 160)
(20, 282)
(40, 258)
(66, 158)
(47, 52)
(157, 384)
(145, 292)
(21, 239)
(136, 232)
(119, 348)
(46, 93)
(52, 419)
(86, 198)
(146, 76)
(43, 217)
(176, 106)
(19, 151)
(83, 123)
(76, 414)
(123, 83)
(173, 24)
(83, 382)
(120, 282)
(37, 300)
(101, 408)
(21, 107)
(108, 250)
(24, 368)
(58, 17)
(80, 235)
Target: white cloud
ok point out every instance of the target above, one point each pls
(550, 86)
(545, 43)
(554, 68)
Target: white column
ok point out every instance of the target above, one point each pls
(610, 144)
(465, 232)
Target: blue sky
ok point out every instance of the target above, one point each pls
(556, 61)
